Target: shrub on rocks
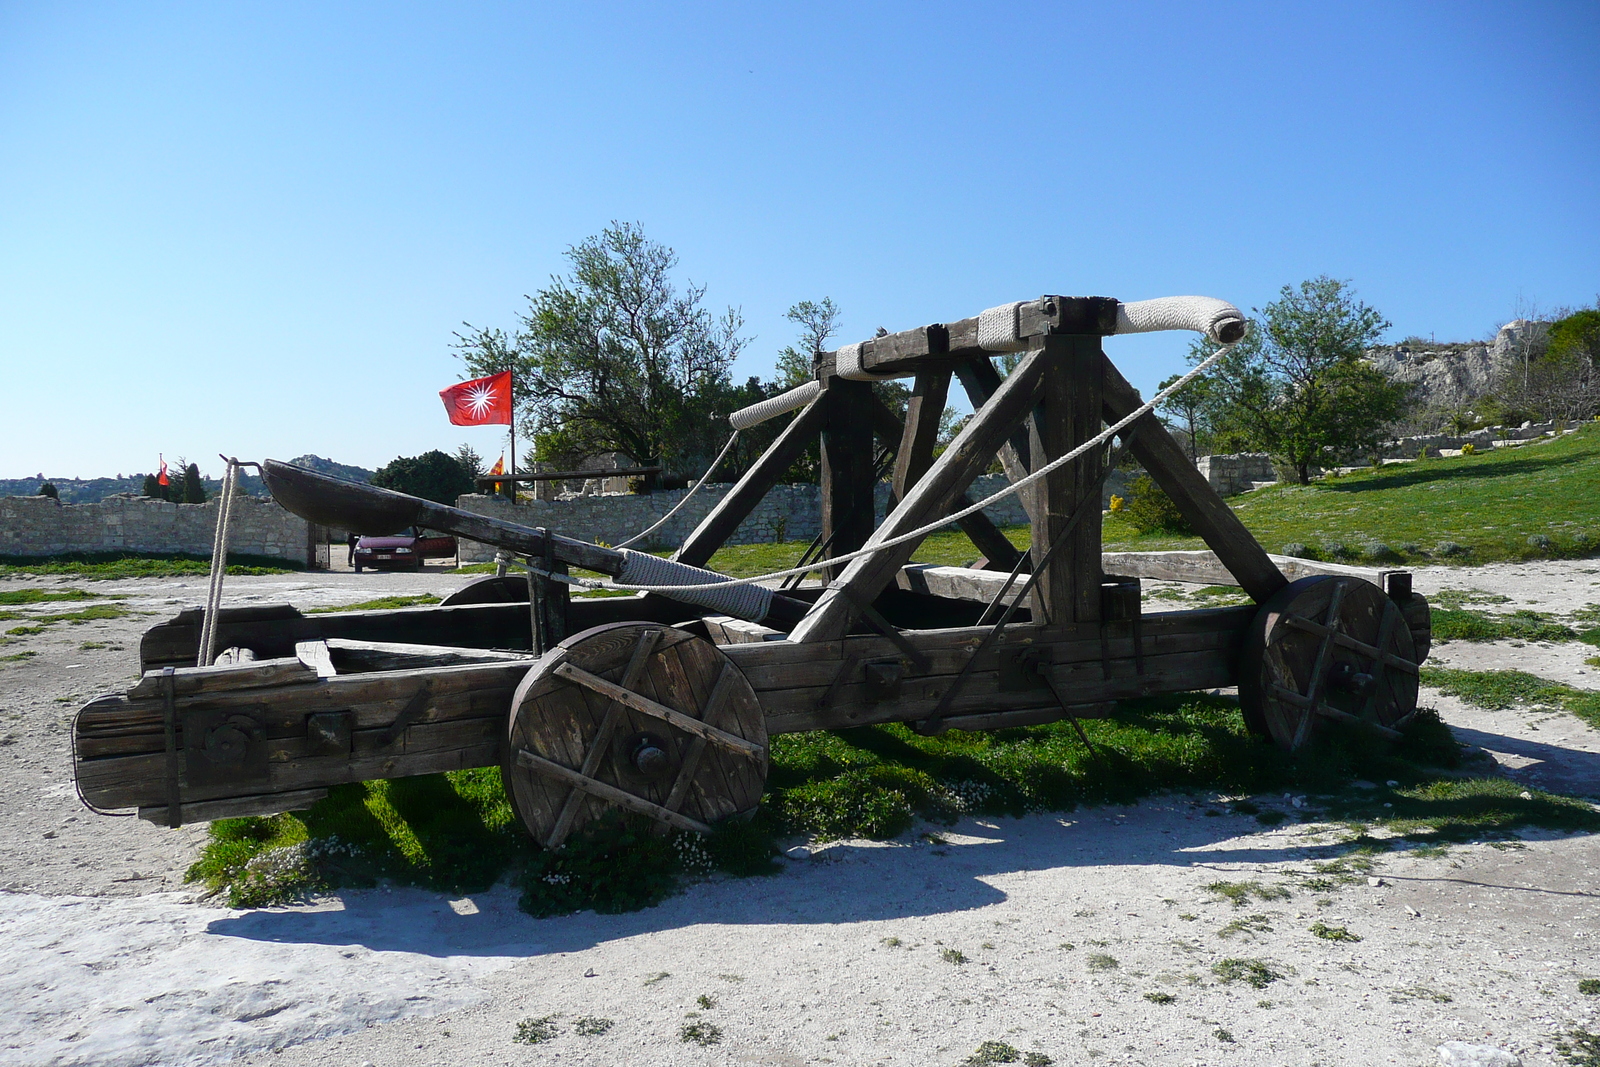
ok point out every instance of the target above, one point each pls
(1299, 551)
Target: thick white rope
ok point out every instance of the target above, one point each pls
(642, 534)
(847, 364)
(999, 331)
(773, 406)
(219, 568)
(921, 532)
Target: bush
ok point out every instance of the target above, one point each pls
(1449, 548)
(1299, 551)
(1151, 510)
(1541, 543)
(1379, 552)
(1336, 550)
(49, 489)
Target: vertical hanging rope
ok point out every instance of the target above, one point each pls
(219, 566)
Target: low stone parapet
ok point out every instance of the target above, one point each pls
(40, 526)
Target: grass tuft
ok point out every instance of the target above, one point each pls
(1508, 689)
(382, 603)
(591, 1025)
(1257, 974)
(993, 1052)
(1579, 1047)
(532, 1031)
(1239, 893)
(114, 566)
(1332, 933)
(700, 1032)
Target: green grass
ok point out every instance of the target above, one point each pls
(1508, 689)
(382, 603)
(1464, 624)
(11, 597)
(109, 566)
(1257, 974)
(1488, 504)
(37, 623)
(456, 832)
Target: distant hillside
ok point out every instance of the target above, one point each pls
(91, 490)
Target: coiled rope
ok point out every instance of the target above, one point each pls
(922, 531)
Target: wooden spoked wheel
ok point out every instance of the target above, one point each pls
(1327, 649)
(638, 716)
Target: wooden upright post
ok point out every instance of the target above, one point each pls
(847, 467)
(1068, 414)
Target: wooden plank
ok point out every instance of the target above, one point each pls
(795, 710)
(719, 524)
(847, 466)
(947, 663)
(864, 578)
(1068, 414)
(236, 807)
(1202, 567)
(316, 655)
(915, 350)
(262, 672)
(609, 793)
(394, 655)
(1200, 504)
(660, 711)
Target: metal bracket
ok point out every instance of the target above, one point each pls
(223, 746)
(883, 677)
(1023, 667)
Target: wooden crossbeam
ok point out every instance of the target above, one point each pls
(980, 379)
(1389, 659)
(726, 682)
(718, 526)
(1199, 503)
(865, 577)
(686, 723)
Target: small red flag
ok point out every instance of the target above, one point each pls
(161, 479)
(499, 467)
(480, 402)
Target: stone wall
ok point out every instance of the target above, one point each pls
(39, 526)
(787, 513)
(1237, 472)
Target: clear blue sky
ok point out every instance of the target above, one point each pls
(252, 228)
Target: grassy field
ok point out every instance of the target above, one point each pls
(108, 566)
(1533, 502)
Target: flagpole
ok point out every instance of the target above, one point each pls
(512, 400)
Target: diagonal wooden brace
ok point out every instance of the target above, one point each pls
(867, 576)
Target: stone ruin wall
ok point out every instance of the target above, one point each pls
(39, 526)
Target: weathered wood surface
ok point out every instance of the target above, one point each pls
(929, 346)
(981, 380)
(1068, 414)
(865, 577)
(121, 741)
(272, 631)
(1200, 504)
(1202, 567)
(847, 474)
(736, 505)
(558, 720)
(236, 807)
(1177, 651)
(253, 674)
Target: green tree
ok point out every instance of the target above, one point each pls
(470, 461)
(194, 487)
(152, 488)
(434, 475)
(613, 357)
(49, 489)
(1299, 385)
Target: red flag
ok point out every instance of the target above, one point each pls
(499, 467)
(161, 479)
(480, 402)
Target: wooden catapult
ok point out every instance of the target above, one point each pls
(662, 702)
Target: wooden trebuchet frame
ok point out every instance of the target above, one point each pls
(656, 706)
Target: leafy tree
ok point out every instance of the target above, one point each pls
(1195, 404)
(434, 475)
(49, 489)
(194, 487)
(152, 488)
(470, 461)
(818, 320)
(613, 357)
(1298, 384)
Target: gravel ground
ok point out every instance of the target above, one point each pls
(845, 957)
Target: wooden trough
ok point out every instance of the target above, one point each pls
(662, 704)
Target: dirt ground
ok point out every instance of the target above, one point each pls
(1061, 935)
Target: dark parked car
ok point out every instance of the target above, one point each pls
(402, 551)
